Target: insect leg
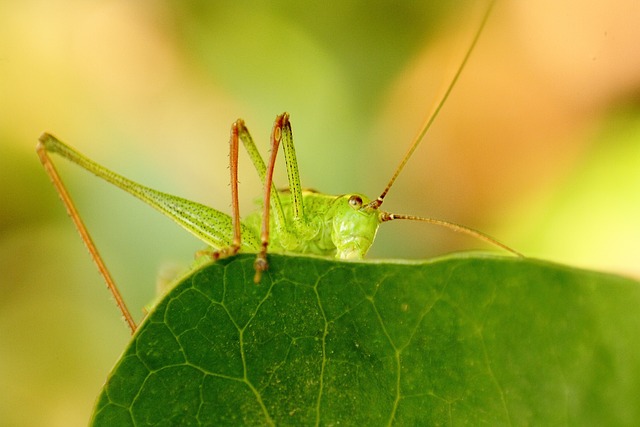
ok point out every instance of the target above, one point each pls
(209, 225)
(260, 263)
(82, 229)
(258, 163)
(301, 226)
(235, 206)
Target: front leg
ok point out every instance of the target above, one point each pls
(261, 263)
(235, 206)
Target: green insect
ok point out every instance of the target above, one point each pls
(293, 221)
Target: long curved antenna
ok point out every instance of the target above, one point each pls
(429, 121)
(385, 216)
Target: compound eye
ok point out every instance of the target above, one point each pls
(355, 202)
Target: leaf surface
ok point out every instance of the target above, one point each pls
(465, 339)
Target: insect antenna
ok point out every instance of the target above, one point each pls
(385, 216)
(375, 204)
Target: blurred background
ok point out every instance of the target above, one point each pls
(538, 145)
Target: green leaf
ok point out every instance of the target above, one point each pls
(465, 339)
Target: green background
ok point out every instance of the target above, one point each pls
(537, 146)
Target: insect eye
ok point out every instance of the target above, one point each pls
(355, 202)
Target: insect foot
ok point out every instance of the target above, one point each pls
(260, 265)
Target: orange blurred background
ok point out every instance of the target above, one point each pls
(538, 145)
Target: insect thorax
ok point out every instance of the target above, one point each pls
(334, 228)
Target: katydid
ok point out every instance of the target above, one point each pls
(292, 221)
